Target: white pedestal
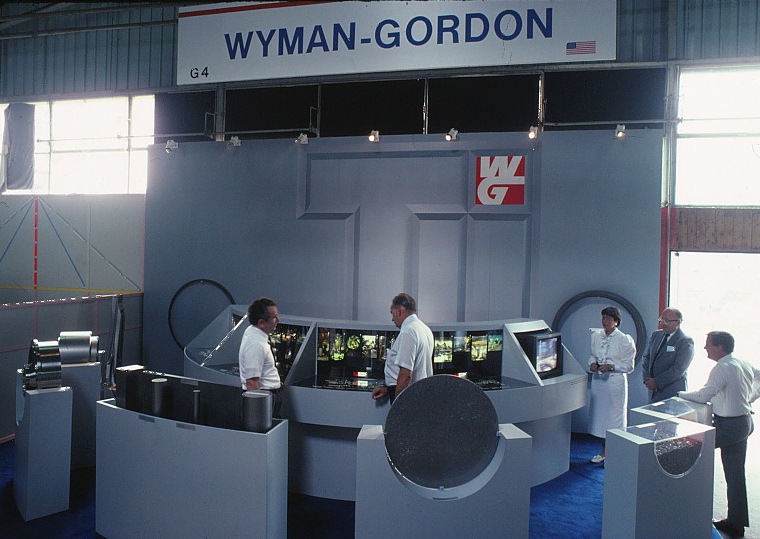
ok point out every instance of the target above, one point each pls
(658, 481)
(42, 465)
(498, 507)
(162, 478)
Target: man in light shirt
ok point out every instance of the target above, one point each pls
(732, 387)
(411, 357)
(255, 358)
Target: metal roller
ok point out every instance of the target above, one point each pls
(44, 368)
(257, 411)
(78, 347)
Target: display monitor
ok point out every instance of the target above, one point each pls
(544, 350)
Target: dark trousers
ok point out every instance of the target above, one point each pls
(731, 435)
(276, 402)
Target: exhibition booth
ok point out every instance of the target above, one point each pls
(330, 367)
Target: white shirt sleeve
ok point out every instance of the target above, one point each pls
(406, 347)
(627, 354)
(715, 383)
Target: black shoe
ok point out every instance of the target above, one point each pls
(730, 529)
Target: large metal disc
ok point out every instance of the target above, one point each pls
(441, 432)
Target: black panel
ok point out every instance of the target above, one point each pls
(391, 107)
(483, 104)
(273, 109)
(184, 112)
(616, 96)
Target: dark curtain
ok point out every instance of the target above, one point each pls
(18, 147)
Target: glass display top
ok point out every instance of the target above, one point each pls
(368, 384)
(674, 407)
(666, 430)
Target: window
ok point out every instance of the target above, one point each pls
(716, 291)
(718, 137)
(92, 146)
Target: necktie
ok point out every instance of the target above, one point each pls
(657, 354)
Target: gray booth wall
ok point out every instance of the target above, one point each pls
(335, 228)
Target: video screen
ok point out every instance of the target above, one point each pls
(286, 341)
(495, 342)
(348, 353)
(478, 346)
(546, 354)
(442, 347)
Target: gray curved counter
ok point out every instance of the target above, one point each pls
(325, 421)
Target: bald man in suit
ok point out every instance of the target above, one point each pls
(667, 358)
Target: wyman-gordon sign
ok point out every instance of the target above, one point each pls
(235, 42)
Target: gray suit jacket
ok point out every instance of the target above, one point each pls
(667, 365)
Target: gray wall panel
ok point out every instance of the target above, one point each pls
(497, 271)
(599, 216)
(336, 228)
(441, 251)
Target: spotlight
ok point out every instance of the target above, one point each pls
(234, 142)
(452, 134)
(620, 131)
(374, 136)
(171, 146)
(533, 133)
(303, 138)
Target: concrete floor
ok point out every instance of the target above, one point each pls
(752, 471)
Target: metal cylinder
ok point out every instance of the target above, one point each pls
(196, 406)
(257, 411)
(78, 347)
(44, 368)
(159, 386)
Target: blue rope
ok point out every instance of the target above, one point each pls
(62, 245)
(14, 234)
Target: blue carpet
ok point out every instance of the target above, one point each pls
(569, 506)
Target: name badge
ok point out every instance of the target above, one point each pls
(670, 348)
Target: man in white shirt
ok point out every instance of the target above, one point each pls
(255, 358)
(410, 359)
(733, 385)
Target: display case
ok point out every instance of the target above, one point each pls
(656, 473)
(330, 367)
(674, 407)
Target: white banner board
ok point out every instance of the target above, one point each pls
(241, 41)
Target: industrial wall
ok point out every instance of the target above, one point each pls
(335, 228)
(55, 247)
(110, 48)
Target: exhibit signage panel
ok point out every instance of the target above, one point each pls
(245, 41)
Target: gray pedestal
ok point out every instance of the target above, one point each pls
(494, 504)
(42, 463)
(673, 407)
(161, 478)
(658, 481)
(84, 379)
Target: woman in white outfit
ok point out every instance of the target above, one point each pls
(612, 356)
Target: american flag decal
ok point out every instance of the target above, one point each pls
(580, 47)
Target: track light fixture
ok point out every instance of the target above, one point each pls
(533, 133)
(234, 142)
(171, 146)
(374, 136)
(303, 138)
(452, 134)
(620, 131)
